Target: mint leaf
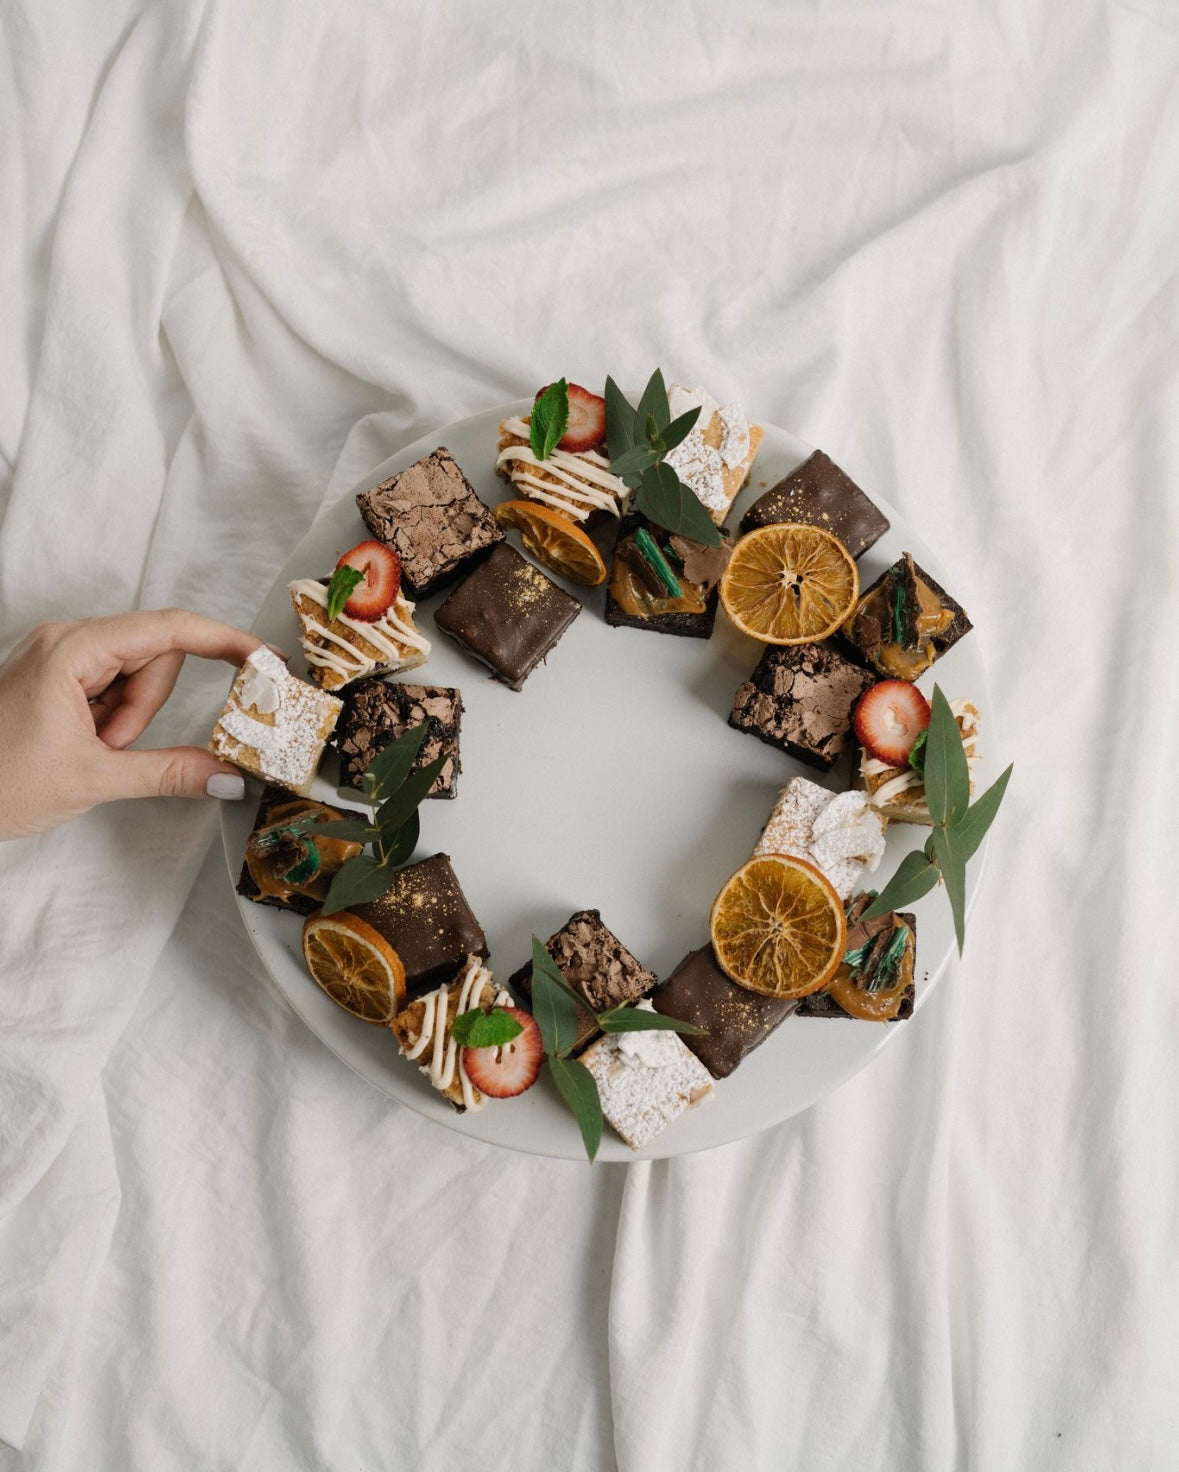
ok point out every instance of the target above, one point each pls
(479, 1029)
(550, 416)
(579, 1090)
(664, 499)
(653, 404)
(553, 1005)
(389, 768)
(397, 809)
(917, 752)
(620, 421)
(340, 589)
(395, 847)
(346, 830)
(635, 1019)
(971, 828)
(679, 429)
(356, 883)
(915, 877)
(947, 775)
(948, 853)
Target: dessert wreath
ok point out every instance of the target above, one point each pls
(396, 943)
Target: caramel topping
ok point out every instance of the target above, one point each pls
(878, 1006)
(932, 619)
(269, 863)
(630, 592)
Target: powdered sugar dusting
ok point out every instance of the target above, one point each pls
(282, 744)
(644, 1087)
(837, 832)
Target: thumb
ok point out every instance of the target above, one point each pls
(173, 771)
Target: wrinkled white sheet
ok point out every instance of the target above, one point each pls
(248, 251)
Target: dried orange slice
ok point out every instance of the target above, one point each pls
(355, 965)
(789, 584)
(554, 540)
(778, 927)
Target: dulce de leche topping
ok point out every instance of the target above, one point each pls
(284, 859)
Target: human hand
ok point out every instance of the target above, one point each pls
(74, 696)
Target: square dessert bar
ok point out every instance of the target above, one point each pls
(898, 793)
(274, 725)
(377, 712)
(432, 518)
(596, 965)
(640, 595)
(800, 698)
(735, 1020)
(343, 649)
(838, 832)
(425, 917)
(645, 1080)
(508, 614)
(904, 621)
(878, 983)
(417, 1029)
(577, 483)
(819, 494)
(279, 867)
(714, 459)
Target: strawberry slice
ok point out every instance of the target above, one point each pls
(507, 1070)
(889, 718)
(586, 427)
(381, 567)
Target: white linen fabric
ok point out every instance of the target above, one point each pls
(250, 251)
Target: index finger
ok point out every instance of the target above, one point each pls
(130, 637)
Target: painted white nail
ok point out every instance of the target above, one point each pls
(282, 654)
(226, 785)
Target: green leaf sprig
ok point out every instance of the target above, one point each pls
(479, 1029)
(549, 419)
(959, 825)
(638, 440)
(396, 790)
(344, 580)
(556, 1006)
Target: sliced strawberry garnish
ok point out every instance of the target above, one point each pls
(889, 718)
(586, 428)
(510, 1068)
(381, 567)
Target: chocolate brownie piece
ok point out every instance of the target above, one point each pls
(377, 712)
(735, 1020)
(870, 938)
(904, 622)
(596, 965)
(637, 597)
(425, 917)
(508, 614)
(275, 856)
(800, 698)
(432, 518)
(819, 494)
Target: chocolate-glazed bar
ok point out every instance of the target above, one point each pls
(663, 582)
(432, 518)
(820, 494)
(800, 698)
(425, 917)
(508, 614)
(378, 711)
(878, 984)
(904, 622)
(735, 1020)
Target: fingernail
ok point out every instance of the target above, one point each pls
(274, 649)
(226, 785)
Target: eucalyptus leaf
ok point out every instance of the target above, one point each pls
(389, 768)
(346, 830)
(679, 429)
(664, 499)
(394, 848)
(915, 877)
(358, 881)
(341, 587)
(970, 830)
(654, 403)
(634, 461)
(579, 1090)
(396, 810)
(549, 419)
(947, 775)
(635, 1019)
(951, 862)
(620, 421)
(553, 1005)
(479, 1029)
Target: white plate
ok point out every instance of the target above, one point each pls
(612, 781)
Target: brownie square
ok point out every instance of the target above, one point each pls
(904, 622)
(508, 614)
(432, 518)
(426, 918)
(819, 494)
(800, 698)
(311, 895)
(377, 712)
(596, 965)
(822, 1004)
(637, 599)
(735, 1020)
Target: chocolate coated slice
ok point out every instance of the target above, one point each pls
(737, 1021)
(819, 494)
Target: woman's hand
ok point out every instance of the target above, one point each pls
(74, 696)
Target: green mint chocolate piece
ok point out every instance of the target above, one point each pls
(655, 559)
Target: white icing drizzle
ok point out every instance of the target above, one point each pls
(435, 1036)
(393, 634)
(586, 481)
(870, 766)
